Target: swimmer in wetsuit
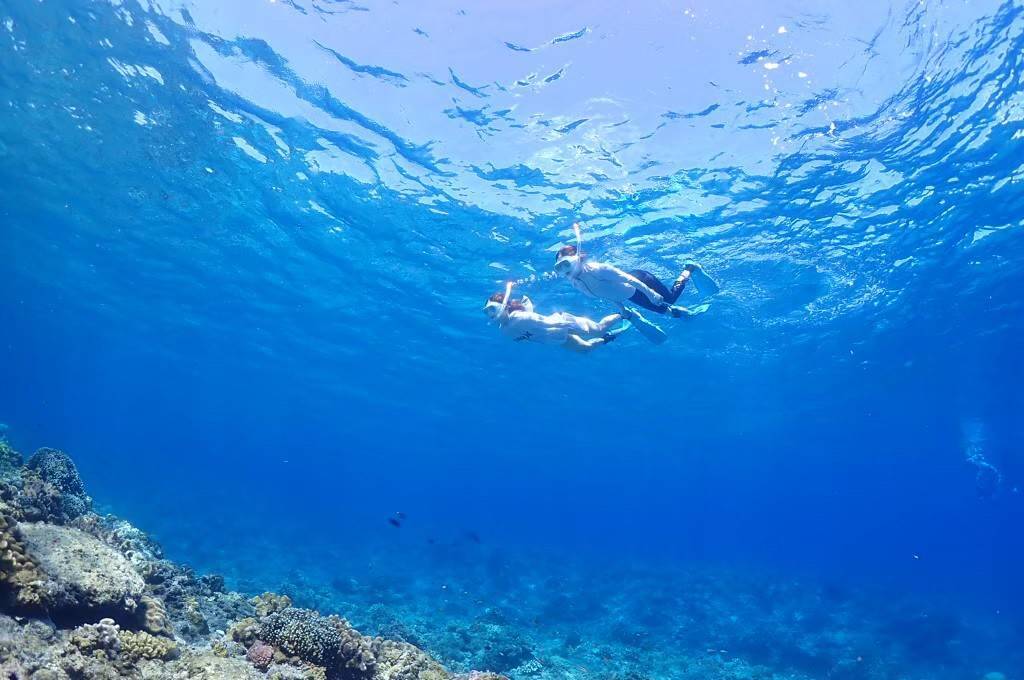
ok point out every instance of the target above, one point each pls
(639, 287)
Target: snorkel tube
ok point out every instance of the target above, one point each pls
(504, 302)
(579, 238)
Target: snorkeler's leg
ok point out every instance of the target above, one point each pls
(608, 321)
(706, 285)
(679, 285)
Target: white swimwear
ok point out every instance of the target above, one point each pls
(553, 329)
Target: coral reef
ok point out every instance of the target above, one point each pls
(141, 646)
(56, 468)
(401, 661)
(96, 599)
(270, 603)
(10, 462)
(21, 581)
(93, 597)
(328, 642)
(260, 655)
(36, 500)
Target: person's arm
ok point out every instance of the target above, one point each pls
(578, 344)
(648, 292)
(609, 272)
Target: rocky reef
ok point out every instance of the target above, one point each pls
(90, 596)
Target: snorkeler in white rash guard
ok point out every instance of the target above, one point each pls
(517, 320)
(608, 282)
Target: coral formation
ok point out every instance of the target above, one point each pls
(108, 605)
(245, 631)
(10, 462)
(212, 667)
(97, 639)
(37, 500)
(154, 616)
(270, 603)
(402, 661)
(138, 646)
(21, 581)
(260, 655)
(329, 642)
(56, 468)
(85, 579)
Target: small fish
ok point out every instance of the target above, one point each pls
(400, 515)
(394, 522)
(474, 537)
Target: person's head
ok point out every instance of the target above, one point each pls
(494, 304)
(566, 260)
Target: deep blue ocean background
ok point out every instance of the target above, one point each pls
(245, 246)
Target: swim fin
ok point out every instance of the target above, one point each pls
(621, 328)
(706, 285)
(687, 312)
(647, 328)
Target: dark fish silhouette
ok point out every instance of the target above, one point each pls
(473, 536)
(394, 522)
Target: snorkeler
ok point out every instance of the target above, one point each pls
(518, 320)
(608, 282)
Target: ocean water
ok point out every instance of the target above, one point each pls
(245, 245)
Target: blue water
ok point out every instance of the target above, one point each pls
(245, 246)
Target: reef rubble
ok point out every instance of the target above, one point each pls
(90, 596)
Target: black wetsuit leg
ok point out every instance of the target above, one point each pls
(655, 284)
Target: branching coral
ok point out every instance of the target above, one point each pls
(98, 639)
(143, 646)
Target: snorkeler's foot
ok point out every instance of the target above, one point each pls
(678, 312)
(680, 282)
